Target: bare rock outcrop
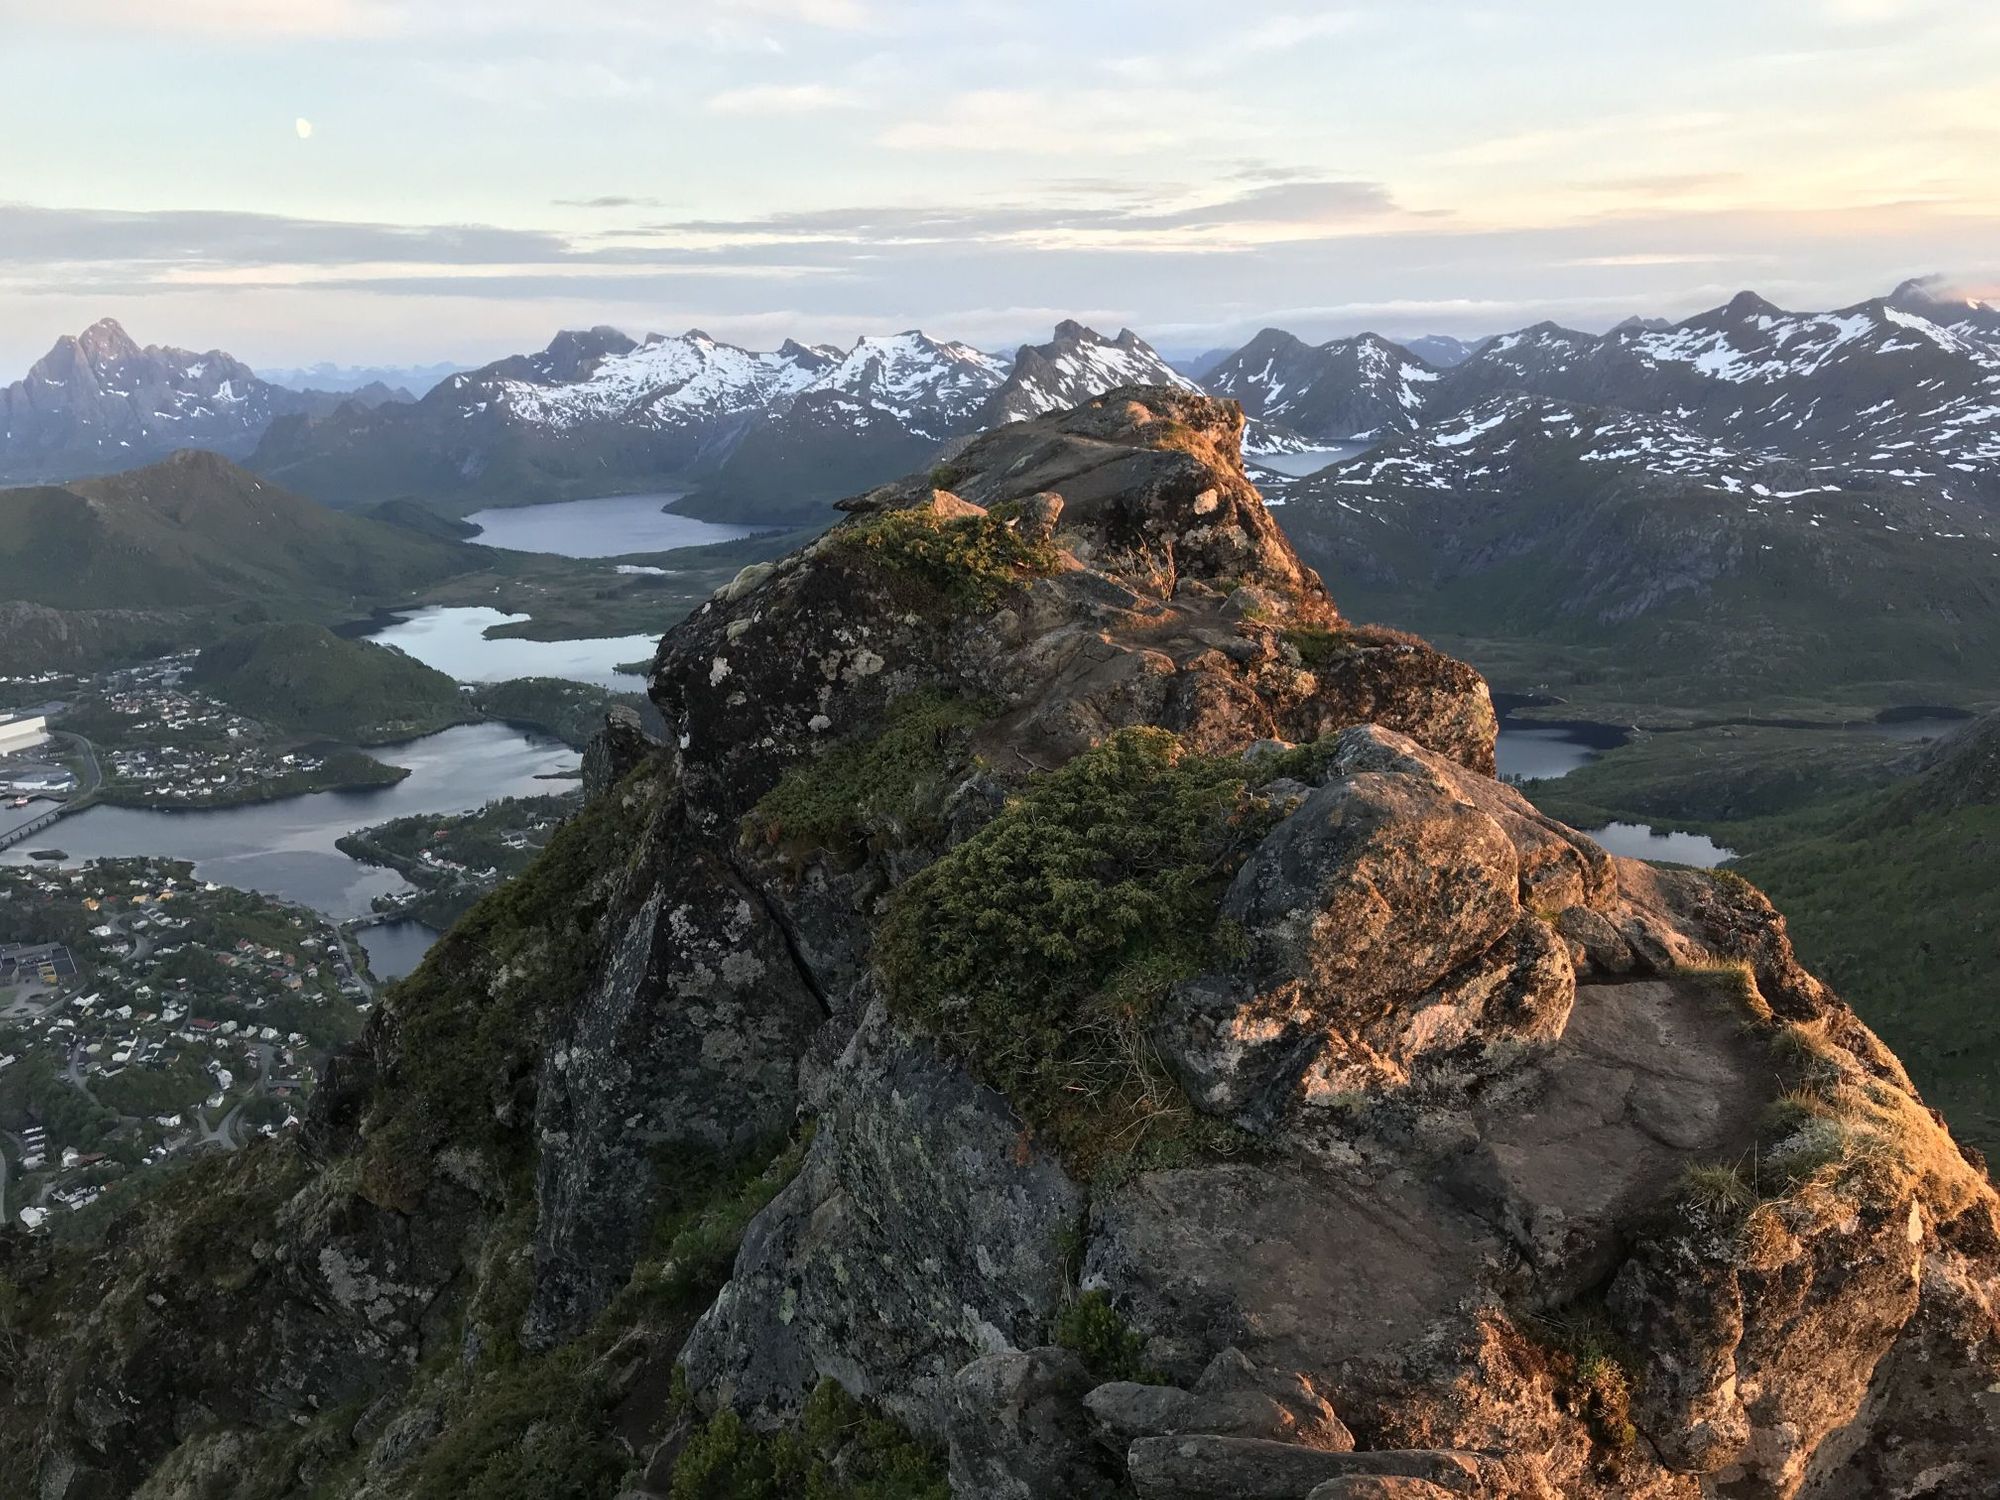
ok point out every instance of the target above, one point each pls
(1203, 1081)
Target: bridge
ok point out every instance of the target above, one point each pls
(14, 836)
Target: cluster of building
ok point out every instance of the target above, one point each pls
(182, 1016)
(163, 744)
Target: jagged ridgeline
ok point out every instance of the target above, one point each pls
(1063, 1012)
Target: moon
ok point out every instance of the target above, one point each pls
(304, 127)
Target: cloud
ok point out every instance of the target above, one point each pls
(59, 237)
(608, 201)
(781, 99)
(1089, 123)
(1075, 217)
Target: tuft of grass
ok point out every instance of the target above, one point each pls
(1715, 1190)
(1736, 983)
(1593, 1372)
(1318, 645)
(949, 562)
(1039, 948)
(840, 1449)
(834, 802)
(1091, 1328)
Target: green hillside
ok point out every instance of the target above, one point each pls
(305, 678)
(197, 532)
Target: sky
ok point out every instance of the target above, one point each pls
(403, 181)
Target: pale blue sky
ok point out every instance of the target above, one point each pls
(481, 172)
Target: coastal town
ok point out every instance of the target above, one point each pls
(163, 743)
(146, 1015)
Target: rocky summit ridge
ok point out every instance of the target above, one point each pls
(1063, 1013)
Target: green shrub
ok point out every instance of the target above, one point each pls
(950, 562)
(840, 1450)
(1317, 645)
(1038, 948)
(537, 1431)
(832, 802)
(702, 1221)
(1110, 1349)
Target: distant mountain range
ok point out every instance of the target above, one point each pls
(411, 381)
(1905, 389)
(1665, 565)
(98, 402)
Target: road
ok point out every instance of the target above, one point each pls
(359, 972)
(93, 778)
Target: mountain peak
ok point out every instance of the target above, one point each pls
(1746, 304)
(105, 341)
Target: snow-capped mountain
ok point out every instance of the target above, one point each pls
(1645, 542)
(1876, 386)
(927, 388)
(1077, 364)
(1340, 391)
(767, 432)
(1932, 298)
(98, 402)
(602, 376)
(1513, 443)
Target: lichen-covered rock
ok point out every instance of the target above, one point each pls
(616, 750)
(1019, 1431)
(926, 1230)
(687, 1047)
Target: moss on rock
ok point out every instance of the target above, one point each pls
(893, 778)
(949, 562)
(1039, 948)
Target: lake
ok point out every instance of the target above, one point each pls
(453, 639)
(396, 948)
(1636, 841)
(286, 848)
(610, 527)
(1311, 461)
(1541, 754)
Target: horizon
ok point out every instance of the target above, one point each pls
(1935, 284)
(405, 182)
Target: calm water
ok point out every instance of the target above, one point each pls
(599, 528)
(287, 848)
(453, 639)
(1298, 465)
(396, 948)
(1914, 730)
(1541, 754)
(1635, 841)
